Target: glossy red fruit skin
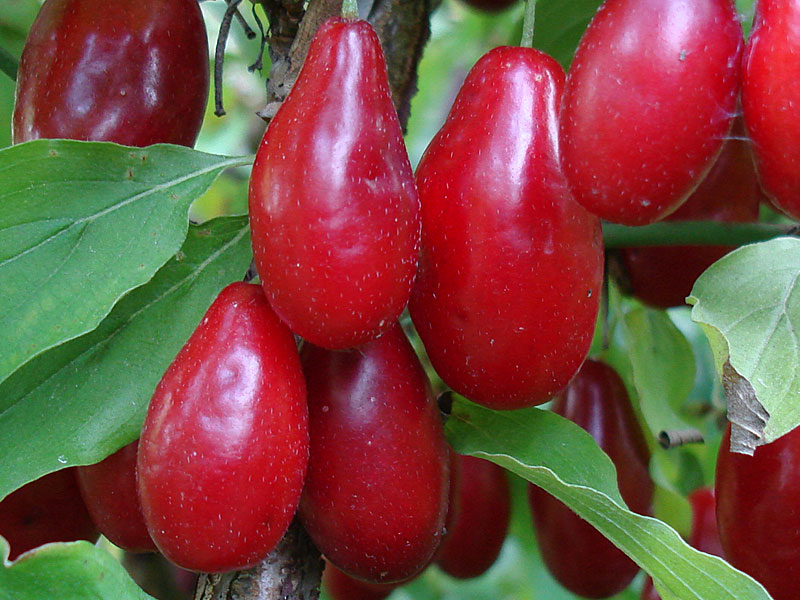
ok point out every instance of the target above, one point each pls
(576, 554)
(649, 98)
(375, 497)
(134, 73)
(340, 586)
(704, 534)
(770, 97)
(334, 211)
(510, 273)
(757, 512)
(49, 509)
(473, 541)
(663, 276)
(224, 447)
(110, 494)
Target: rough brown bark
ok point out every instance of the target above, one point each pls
(292, 571)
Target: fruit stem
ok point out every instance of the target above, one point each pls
(8, 63)
(527, 24)
(693, 233)
(350, 9)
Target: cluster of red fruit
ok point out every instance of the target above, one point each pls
(244, 430)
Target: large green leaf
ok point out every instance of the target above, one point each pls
(84, 399)
(81, 224)
(66, 571)
(564, 460)
(748, 303)
(663, 367)
(560, 25)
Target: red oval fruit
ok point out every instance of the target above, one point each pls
(375, 496)
(577, 555)
(476, 535)
(649, 98)
(224, 446)
(759, 525)
(771, 99)
(704, 534)
(49, 509)
(109, 491)
(511, 267)
(333, 207)
(340, 586)
(663, 276)
(134, 73)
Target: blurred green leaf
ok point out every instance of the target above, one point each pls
(663, 367)
(66, 571)
(564, 460)
(560, 25)
(83, 223)
(749, 305)
(81, 401)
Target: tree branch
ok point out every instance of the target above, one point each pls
(293, 570)
(693, 233)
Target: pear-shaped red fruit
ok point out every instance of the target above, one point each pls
(109, 491)
(134, 73)
(511, 266)
(224, 447)
(650, 96)
(375, 497)
(333, 207)
(480, 507)
(771, 100)
(577, 555)
(49, 509)
(757, 513)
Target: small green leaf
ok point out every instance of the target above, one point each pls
(81, 401)
(564, 460)
(560, 25)
(81, 224)
(66, 571)
(663, 367)
(748, 303)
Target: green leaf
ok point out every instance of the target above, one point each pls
(81, 224)
(560, 25)
(748, 303)
(66, 571)
(564, 460)
(663, 367)
(85, 399)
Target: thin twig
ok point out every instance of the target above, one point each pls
(219, 53)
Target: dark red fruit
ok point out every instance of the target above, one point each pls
(375, 497)
(663, 276)
(650, 96)
(340, 586)
(577, 555)
(511, 267)
(333, 207)
(135, 73)
(482, 504)
(757, 512)
(704, 535)
(224, 447)
(109, 491)
(771, 100)
(49, 509)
